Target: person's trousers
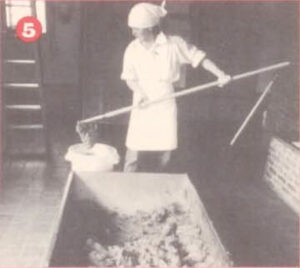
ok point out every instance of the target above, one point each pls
(149, 161)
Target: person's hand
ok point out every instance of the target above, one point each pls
(143, 101)
(223, 80)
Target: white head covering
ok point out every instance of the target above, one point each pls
(146, 15)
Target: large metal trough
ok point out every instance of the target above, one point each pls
(126, 193)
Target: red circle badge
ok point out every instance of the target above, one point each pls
(29, 29)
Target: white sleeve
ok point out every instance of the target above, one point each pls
(187, 53)
(128, 72)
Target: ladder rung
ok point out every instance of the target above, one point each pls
(24, 127)
(17, 4)
(17, 61)
(22, 85)
(24, 107)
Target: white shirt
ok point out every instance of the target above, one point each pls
(154, 128)
(162, 62)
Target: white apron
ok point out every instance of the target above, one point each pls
(153, 128)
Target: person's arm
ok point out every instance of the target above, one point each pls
(129, 74)
(135, 87)
(190, 54)
(222, 77)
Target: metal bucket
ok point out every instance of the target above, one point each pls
(100, 157)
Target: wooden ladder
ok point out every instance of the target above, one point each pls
(23, 105)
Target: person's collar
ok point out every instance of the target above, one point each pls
(160, 39)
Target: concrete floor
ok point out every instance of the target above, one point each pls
(254, 225)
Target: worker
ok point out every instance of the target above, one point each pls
(151, 66)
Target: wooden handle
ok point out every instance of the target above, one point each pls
(185, 92)
(253, 110)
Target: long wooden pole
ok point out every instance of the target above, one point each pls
(253, 110)
(184, 92)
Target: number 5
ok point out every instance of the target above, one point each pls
(28, 30)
